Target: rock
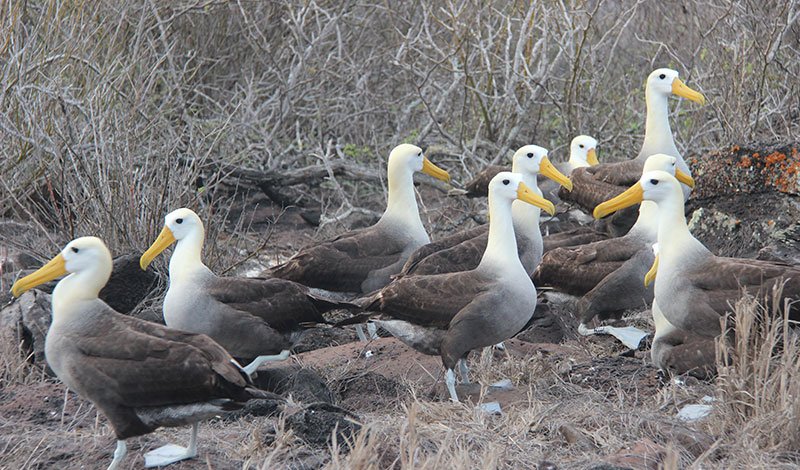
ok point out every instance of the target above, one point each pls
(128, 284)
(545, 465)
(303, 384)
(25, 322)
(575, 437)
(316, 423)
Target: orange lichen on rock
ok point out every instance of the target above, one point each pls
(744, 162)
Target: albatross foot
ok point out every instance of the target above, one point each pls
(167, 454)
(450, 381)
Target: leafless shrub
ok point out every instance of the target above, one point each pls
(113, 113)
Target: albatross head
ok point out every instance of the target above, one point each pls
(82, 255)
(179, 224)
(583, 151)
(532, 160)
(657, 186)
(666, 82)
(407, 158)
(507, 185)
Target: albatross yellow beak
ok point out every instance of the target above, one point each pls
(684, 178)
(549, 170)
(631, 196)
(591, 157)
(680, 89)
(55, 268)
(430, 169)
(526, 194)
(651, 274)
(165, 239)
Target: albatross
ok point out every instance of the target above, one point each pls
(582, 153)
(141, 375)
(608, 273)
(589, 188)
(252, 318)
(463, 251)
(693, 287)
(363, 261)
(451, 314)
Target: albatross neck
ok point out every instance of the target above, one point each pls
(647, 223)
(79, 287)
(401, 205)
(675, 241)
(186, 260)
(657, 134)
(501, 246)
(524, 216)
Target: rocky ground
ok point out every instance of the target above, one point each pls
(564, 401)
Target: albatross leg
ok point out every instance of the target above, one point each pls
(501, 346)
(450, 381)
(172, 453)
(372, 329)
(250, 368)
(360, 334)
(119, 455)
(463, 371)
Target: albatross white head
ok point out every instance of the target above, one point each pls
(88, 263)
(583, 152)
(648, 212)
(658, 135)
(531, 160)
(404, 161)
(184, 227)
(505, 188)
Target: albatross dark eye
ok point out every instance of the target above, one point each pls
(75, 250)
(530, 155)
(179, 221)
(506, 182)
(580, 145)
(419, 154)
(654, 181)
(662, 76)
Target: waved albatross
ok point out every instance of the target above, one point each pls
(141, 375)
(451, 314)
(608, 273)
(693, 287)
(589, 190)
(250, 317)
(363, 260)
(463, 251)
(582, 153)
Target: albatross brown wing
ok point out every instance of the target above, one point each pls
(342, 264)
(596, 184)
(429, 300)
(479, 185)
(464, 256)
(427, 250)
(282, 304)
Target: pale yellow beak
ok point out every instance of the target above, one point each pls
(651, 274)
(631, 196)
(549, 170)
(164, 240)
(591, 157)
(684, 178)
(680, 89)
(526, 194)
(430, 169)
(55, 268)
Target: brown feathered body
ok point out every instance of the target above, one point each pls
(142, 375)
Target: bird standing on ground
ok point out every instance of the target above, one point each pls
(141, 375)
